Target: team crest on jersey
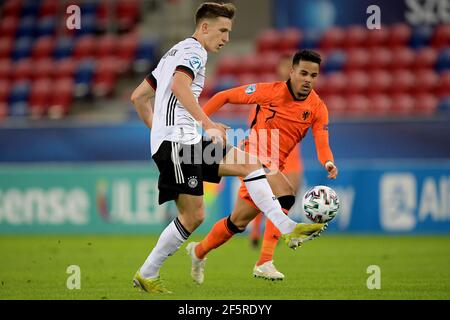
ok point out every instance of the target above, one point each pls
(305, 115)
(195, 63)
(250, 89)
(192, 182)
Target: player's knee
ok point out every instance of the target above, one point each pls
(252, 165)
(287, 202)
(198, 217)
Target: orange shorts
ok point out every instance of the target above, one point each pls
(293, 164)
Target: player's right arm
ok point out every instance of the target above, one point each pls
(142, 102)
(248, 94)
(181, 88)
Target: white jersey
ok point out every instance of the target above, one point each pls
(171, 121)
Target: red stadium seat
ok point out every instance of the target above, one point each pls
(399, 35)
(377, 37)
(380, 104)
(335, 83)
(23, 70)
(8, 26)
(403, 58)
(403, 81)
(247, 78)
(12, 8)
(44, 69)
(6, 46)
(84, 47)
(5, 69)
(290, 39)
(3, 110)
(127, 47)
(227, 65)
(427, 80)
(357, 105)
(268, 40)
(332, 38)
(268, 77)
(357, 58)
(268, 62)
(380, 58)
(443, 87)
(380, 82)
(49, 8)
(106, 46)
(64, 68)
(356, 82)
(39, 98)
(425, 58)
(127, 14)
(5, 87)
(105, 77)
(426, 104)
(441, 36)
(103, 14)
(61, 98)
(248, 64)
(43, 47)
(402, 104)
(336, 104)
(355, 36)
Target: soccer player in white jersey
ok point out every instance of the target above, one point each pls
(184, 157)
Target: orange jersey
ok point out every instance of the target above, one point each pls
(294, 163)
(281, 121)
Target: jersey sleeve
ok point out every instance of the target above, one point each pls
(258, 93)
(320, 133)
(191, 61)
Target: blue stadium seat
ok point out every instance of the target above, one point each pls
(19, 92)
(46, 26)
(443, 60)
(26, 27)
(335, 61)
(22, 48)
(444, 105)
(145, 55)
(421, 36)
(88, 25)
(30, 7)
(63, 48)
(83, 77)
(311, 39)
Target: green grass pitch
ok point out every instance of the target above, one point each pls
(332, 267)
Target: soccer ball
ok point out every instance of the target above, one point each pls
(320, 204)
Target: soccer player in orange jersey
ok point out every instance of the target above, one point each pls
(293, 170)
(284, 113)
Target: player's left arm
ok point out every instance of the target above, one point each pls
(321, 139)
(142, 99)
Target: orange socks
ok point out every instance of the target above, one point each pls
(271, 236)
(218, 235)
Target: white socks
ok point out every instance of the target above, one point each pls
(259, 189)
(168, 243)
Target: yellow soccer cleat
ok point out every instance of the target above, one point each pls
(303, 232)
(149, 285)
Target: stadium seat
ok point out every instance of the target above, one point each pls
(425, 104)
(19, 92)
(46, 26)
(106, 46)
(336, 104)
(355, 36)
(443, 60)
(26, 27)
(290, 39)
(399, 35)
(126, 51)
(402, 104)
(404, 81)
(380, 58)
(49, 8)
(311, 39)
(5, 87)
(356, 82)
(3, 111)
(380, 104)
(421, 36)
(426, 81)
(441, 36)
(227, 65)
(22, 48)
(425, 58)
(248, 64)
(335, 61)
(5, 69)
(145, 55)
(105, 76)
(103, 13)
(332, 38)
(268, 62)
(83, 77)
(225, 82)
(6, 47)
(61, 98)
(64, 68)
(127, 14)
(357, 59)
(403, 58)
(43, 47)
(89, 25)
(63, 48)
(443, 106)
(269, 77)
(267, 40)
(84, 47)
(12, 8)
(247, 78)
(30, 7)
(44, 69)
(39, 98)
(380, 82)
(357, 105)
(8, 26)
(335, 83)
(443, 87)
(377, 37)
(23, 70)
